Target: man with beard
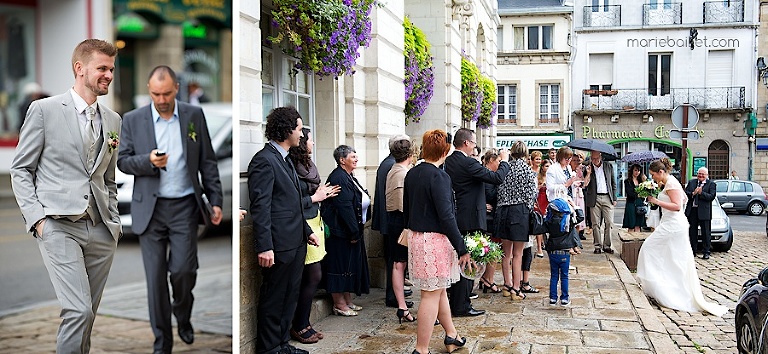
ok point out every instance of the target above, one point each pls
(166, 146)
(63, 176)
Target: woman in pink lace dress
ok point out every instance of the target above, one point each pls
(436, 248)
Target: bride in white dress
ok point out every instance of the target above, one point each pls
(666, 266)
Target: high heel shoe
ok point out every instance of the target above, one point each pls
(354, 307)
(506, 290)
(451, 344)
(516, 294)
(347, 313)
(405, 315)
(486, 286)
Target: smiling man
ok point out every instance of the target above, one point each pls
(63, 177)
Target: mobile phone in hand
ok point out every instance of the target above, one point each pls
(159, 153)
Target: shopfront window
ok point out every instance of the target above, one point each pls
(17, 65)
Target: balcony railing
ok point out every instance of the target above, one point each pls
(723, 11)
(662, 14)
(602, 16)
(640, 99)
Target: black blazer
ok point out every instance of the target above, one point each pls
(708, 193)
(276, 208)
(379, 222)
(137, 140)
(629, 190)
(344, 213)
(428, 204)
(468, 178)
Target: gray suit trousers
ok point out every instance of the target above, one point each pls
(78, 256)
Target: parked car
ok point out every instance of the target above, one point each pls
(219, 119)
(722, 233)
(746, 196)
(752, 315)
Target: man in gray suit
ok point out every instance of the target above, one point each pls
(600, 197)
(63, 176)
(165, 145)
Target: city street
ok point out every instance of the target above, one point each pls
(24, 278)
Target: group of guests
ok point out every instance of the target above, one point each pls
(433, 199)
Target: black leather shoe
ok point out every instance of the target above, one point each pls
(472, 312)
(186, 333)
(408, 293)
(705, 256)
(289, 349)
(394, 304)
(473, 296)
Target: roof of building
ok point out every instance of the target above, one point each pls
(534, 6)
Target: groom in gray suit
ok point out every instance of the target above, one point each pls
(165, 146)
(63, 176)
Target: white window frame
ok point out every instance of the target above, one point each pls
(550, 116)
(540, 31)
(659, 91)
(510, 103)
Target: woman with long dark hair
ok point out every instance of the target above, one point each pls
(313, 193)
(633, 221)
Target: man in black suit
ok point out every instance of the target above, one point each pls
(168, 198)
(380, 222)
(701, 192)
(467, 179)
(280, 232)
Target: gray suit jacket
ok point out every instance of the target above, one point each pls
(49, 173)
(136, 143)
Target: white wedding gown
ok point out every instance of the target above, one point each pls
(666, 267)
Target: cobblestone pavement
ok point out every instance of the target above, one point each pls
(721, 279)
(122, 322)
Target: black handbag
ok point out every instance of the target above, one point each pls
(641, 210)
(536, 224)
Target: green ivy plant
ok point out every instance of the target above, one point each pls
(488, 106)
(471, 92)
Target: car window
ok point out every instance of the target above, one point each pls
(748, 187)
(215, 123)
(738, 187)
(722, 186)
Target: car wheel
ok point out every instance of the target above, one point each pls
(755, 208)
(746, 341)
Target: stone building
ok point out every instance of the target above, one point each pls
(534, 73)
(634, 63)
(363, 110)
(760, 163)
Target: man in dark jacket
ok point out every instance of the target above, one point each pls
(701, 192)
(467, 179)
(280, 232)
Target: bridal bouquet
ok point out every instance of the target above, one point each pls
(648, 188)
(482, 251)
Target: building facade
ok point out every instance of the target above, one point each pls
(363, 110)
(635, 62)
(534, 83)
(760, 164)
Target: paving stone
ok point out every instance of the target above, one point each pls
(612, 339)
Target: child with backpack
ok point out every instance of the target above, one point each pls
(560, 221)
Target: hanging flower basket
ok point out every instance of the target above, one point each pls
(471, 91)
(419, 72)
(488, 106)
(324, 35)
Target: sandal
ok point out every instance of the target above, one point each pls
(526, 287)
(487, 286)
(507, 290)
(518, 295)
(299, 336)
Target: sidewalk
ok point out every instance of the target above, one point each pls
(608, 314)
(122, 323)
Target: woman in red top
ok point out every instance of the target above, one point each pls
(541, 203)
